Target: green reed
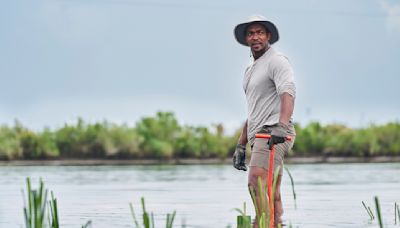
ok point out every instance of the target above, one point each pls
(148, 219)
(53, 218)
(263, 217)
(378, 211)
(396, 213)
(292, 183)
(35, 207)
(368, 209)
(379, 214)
(87, 224)
(243, 220)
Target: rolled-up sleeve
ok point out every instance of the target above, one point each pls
(283, 76)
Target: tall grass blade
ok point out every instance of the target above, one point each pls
(170, 219)
(263, 221)
(398, 212)
(35, 206)
(378, 212)
(134, 216)
(292, 183)
(53, 218)
(368, 211)
(152, 220)
(30, 202)
(87, 224)
(262, 195)
(253, 197)
(239, 211)
(146, 219)
(42, 202)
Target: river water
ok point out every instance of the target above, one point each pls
(328, 195)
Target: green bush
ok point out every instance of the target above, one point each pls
(162, 137)
(9, 144)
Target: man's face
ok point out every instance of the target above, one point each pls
(257, 37)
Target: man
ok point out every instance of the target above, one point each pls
(270, 92)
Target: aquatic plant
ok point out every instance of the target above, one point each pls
(292, 184)
(396, 213)
(148, 219)
(53, 218)
(243, 220)
(378, 211)
(368, 209)
(35, 204)
(87, 224)
(263, 217)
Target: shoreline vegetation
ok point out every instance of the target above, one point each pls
(160, 139)
(188, 161)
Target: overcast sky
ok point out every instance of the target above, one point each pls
(120, 60)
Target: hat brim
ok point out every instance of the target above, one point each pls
(240, 31)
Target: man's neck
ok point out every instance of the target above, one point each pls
(258, 54)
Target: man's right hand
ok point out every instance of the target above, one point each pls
(239, 157)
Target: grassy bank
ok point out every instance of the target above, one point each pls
(162, 137)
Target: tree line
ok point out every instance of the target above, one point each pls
(162, 137)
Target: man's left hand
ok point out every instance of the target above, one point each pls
(278, 134)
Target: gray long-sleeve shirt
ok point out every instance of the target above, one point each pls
(265, 80)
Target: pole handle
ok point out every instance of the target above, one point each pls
(266, 136)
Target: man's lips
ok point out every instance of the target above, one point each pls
(255, 45)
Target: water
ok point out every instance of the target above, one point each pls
(328, 195)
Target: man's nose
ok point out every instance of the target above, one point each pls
(254, 38)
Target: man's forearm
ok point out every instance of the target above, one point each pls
(243, 136)
(287, 106)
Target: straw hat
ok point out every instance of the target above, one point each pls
(240, 29)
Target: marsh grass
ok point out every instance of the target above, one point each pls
(241, 212)
(148, 219)
(53, 218)
(35, 207)
(379, 214)
(368, 209)
(87, 224)
(378, 211)
(243, 220)
(396, 213)
(292, 184)
(263, 217)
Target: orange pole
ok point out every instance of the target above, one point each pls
(270, 177)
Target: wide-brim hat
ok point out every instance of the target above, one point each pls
(240, 29)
